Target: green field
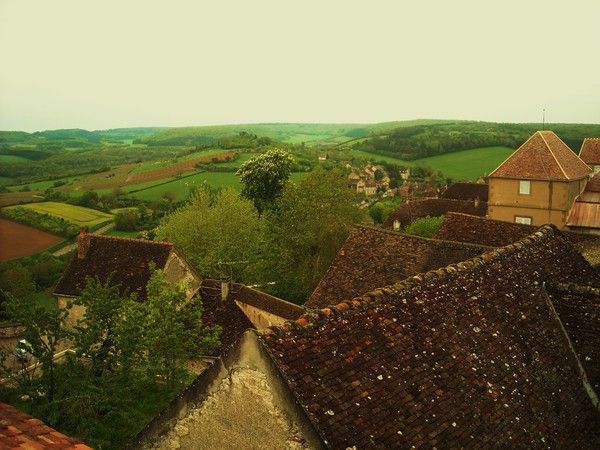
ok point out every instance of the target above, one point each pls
(467, 164)
(117, 233)
(181, 187)
(77, 215)
(12, 158)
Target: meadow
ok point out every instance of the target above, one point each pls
(77, 215)
(466, 164)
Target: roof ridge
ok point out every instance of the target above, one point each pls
(574, 288)
(553, 155)
(123, 238)
(421, 238)
(318, 316)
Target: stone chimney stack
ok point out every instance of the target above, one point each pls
(224, 290)
(83, 243)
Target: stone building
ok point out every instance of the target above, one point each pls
(126, 262)
(538, 183)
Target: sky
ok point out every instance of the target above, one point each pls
(111, 64)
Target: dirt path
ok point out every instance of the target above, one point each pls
(70, 247)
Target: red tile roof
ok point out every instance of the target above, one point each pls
(467, 356)
(543, 157)
(590, 151)
(21, 431)
(127, 260)
(467, 191)
(494, 233)
(416, 209)
(372, 257)
(579, 310)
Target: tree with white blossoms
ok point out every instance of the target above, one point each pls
(264, 177)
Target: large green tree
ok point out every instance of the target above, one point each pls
(264, 177)
(310, 222)
(220, 233)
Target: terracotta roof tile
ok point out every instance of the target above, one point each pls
(494, 233)
(416, 209)
(20, 430)
(372, 257)
(471, 355)
(127, 260)
(590, 151)
(579, 310)
(467, 191)
(543, 157)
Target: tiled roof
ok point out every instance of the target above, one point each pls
(21, 431)
(372, 257)
(230, 317)
(467, 191)
(416, 209)
(585, 212)
(543, 157)
(579, 310)
(467, 356)
(494, 233)
(590, 151)
(127, 260)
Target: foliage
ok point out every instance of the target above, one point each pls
(130, 359)
(425, 226)
(380, 211)
(127, 221)
(41, 221)
(307, 227)
(71, 214)
(264, 177)
(220, 233)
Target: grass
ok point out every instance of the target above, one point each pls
(42, 185)
(466, 164)
(127, 234)
(152, 165)
(46, 299)
(12, 158)
(77, 215)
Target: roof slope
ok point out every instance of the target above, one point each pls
(416, 209)
(585, 212)
(372, 257)
(579, 310)
(494, 233)
(543, 157)
(20, 430)
(467, 191)
(590, 151)
(470, 355)
(126, 260)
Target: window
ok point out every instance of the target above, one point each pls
(524, 187)
(525, 220)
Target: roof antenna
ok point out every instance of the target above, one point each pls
(543, 119)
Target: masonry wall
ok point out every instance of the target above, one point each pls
(177, 271)
(75, 314)
(259, 318)
(548, 201)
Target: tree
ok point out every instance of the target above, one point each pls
(220, 233)
(264, 177)
(425, 226)
(307, 227)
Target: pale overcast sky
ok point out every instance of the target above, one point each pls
(106, 64)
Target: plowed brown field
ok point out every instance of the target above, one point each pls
(18, 240)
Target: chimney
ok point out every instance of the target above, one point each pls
(224, 290)
(83, 243)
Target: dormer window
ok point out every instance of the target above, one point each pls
(524, 187)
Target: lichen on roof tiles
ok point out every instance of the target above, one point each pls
(416, 209)
(471, 355)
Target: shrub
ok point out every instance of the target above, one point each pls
(425, 226)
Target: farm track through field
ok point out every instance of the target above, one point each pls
(71, 247)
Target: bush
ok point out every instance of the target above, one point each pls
(425, 226)
(127, 220)
(44, 222)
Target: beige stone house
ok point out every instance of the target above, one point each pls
(538, 183)
(127, 262)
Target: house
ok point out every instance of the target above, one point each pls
(126, 262)
(322, 157)
(590, 153)
(538, 183)
(467, 191)
(584, 215)
(21, 431)
(388, 257)
(416, 209)
(475, 354)
(370, 188)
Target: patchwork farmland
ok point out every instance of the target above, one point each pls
(78, 215)
(20, 240)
